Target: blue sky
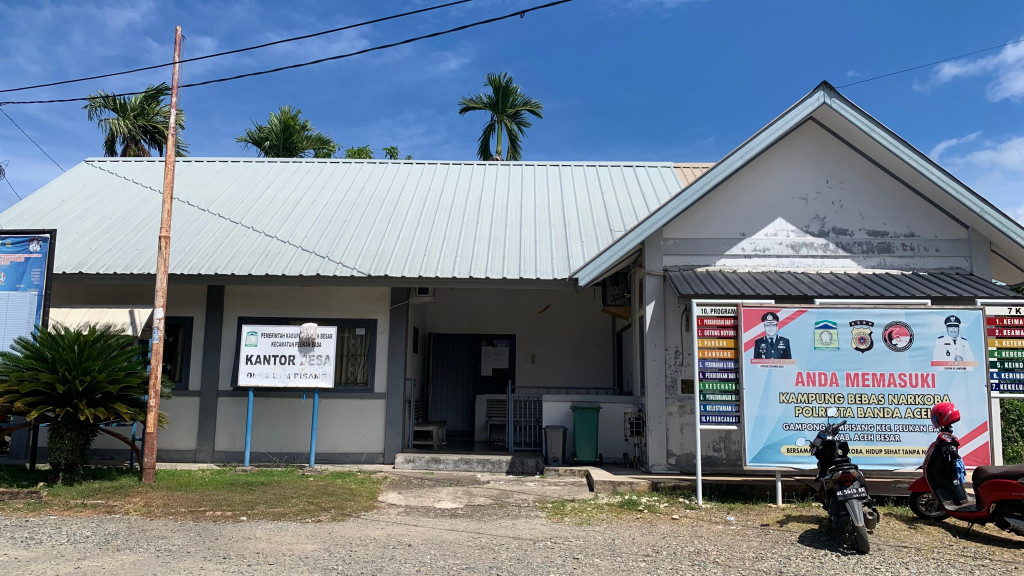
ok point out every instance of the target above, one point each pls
(620, 80)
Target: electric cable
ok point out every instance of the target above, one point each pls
(239, 50)
(30, 139)
(931, 63)
(5, 179)
(519, 13)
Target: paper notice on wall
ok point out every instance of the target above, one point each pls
(493, 357)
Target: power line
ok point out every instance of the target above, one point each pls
(931, 63)
(5, 179)
(520, 13)
(240, 50)
(30, 139)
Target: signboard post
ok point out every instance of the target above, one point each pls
(272, 356)
(714, 325)
(882, 368)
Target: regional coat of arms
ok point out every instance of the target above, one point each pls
(862, 341)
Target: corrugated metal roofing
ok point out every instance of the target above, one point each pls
(728, 283)
(302, 217)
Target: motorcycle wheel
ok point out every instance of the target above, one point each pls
(860, 535)
(925, 505)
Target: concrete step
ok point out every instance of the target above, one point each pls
(515, 464)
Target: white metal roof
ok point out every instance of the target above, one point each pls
(344, 218)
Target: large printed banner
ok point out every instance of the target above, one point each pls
(882, 368)
(270, 357)
(24, 261)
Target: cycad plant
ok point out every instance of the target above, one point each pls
(74, 380)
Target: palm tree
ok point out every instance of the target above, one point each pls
(286, 135)
(136, 125)
(508, 108)
(74, 380)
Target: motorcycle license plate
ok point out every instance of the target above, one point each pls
(852, 492)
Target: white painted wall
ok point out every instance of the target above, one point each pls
(811, 201)
(182, 300)
(611, 442)
(283, 425)
(298, 302)
(563, 340)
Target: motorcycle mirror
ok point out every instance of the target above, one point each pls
(832, 412)
(801, 441)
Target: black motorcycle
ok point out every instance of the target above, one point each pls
(842, 489)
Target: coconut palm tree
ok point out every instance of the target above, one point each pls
(508, 108)
(73, 380)
(286, 135)
(136, 125)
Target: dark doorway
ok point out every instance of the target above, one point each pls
(461, 367)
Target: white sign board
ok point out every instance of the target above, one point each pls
(270, 357)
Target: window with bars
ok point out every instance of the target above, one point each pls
(355, 352)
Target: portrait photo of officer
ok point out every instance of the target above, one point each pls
(950, 347)
(771, 345)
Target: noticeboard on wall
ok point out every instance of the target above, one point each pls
(26, 263)
(269, 356)
(1004, 334)
(881, 368)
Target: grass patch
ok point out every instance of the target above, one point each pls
(201, 495)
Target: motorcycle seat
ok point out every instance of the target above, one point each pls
(983, 474)
(843, 464)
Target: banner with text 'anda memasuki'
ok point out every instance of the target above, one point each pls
(881, 368)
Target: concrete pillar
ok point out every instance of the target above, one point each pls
(654, 353)
(981, 254)
(210, 378)
(394, 411)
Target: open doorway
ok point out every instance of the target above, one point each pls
(469, 377)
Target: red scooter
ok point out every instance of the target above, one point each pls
(939, 493)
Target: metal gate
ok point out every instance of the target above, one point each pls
(526, 422)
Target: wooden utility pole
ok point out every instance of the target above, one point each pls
(163, 255)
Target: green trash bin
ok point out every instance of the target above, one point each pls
(584, 430)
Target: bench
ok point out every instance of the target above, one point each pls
(431, 434)
(496, 416)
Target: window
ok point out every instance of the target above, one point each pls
(356, 348)
(177, 350)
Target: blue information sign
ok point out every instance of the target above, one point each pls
(25, 263)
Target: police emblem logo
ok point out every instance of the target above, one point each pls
(898, 336)
(862, 341)
(826, 335)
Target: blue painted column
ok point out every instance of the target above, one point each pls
(312, 433)
(248, 429)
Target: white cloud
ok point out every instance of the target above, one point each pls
(996, 171)
(946, 144)
(1005, 70)
(1018, 214)
(1007, 155)
(852, 74)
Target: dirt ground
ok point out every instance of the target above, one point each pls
(444, 523)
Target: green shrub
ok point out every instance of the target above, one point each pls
(1012, 414)
(74, 380)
